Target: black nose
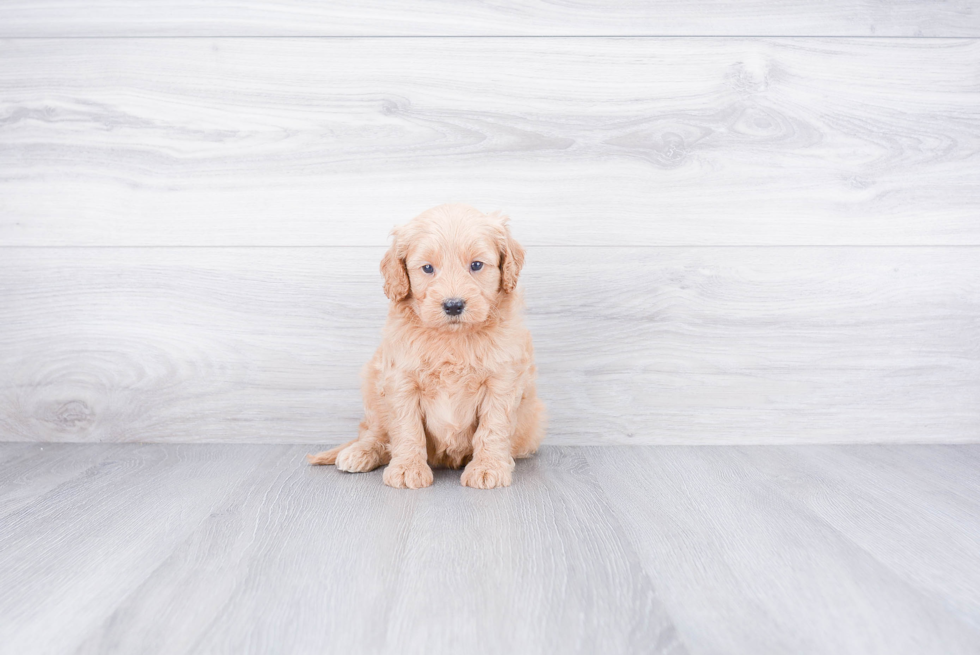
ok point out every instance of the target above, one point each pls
(453, 306)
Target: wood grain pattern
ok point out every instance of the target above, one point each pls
(38, 468)
(634, 345)
(512, 17)
(286, 557)
(74, 553)
(743, 568)
(921, 527)
(583, 141)
(555, 528)
(245, 549)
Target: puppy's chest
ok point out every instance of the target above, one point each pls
(450, 396)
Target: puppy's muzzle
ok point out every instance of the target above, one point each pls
(453, 306)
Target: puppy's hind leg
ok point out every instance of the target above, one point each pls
(530, 428)
(366, 454)
(370, 449)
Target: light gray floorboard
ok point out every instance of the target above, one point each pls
(40, 467)
(917, 526)
(743, 567)
(583, 141)
(645, 345)
(555, 528)
(12, 455)
(954, 468)
(245, 549)
(74, 553)
(28, 18)
(291, 558)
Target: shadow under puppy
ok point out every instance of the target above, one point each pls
(453, 381)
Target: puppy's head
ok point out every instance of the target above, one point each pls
(453, 266)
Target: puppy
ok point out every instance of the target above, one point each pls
(453, 381)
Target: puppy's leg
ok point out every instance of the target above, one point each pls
(357, 456)
(408, 468)
(530, 425)
(369, 450)
(366, 454)
(492, 463)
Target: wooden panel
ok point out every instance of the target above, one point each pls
(742, 568)
(635, 345)
(584, 141)
(511, 17)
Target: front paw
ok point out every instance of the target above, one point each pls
(487, 474)
(408, 475)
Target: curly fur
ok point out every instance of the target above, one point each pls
(447, 390)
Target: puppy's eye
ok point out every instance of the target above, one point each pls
(475, 266)
(428, 269)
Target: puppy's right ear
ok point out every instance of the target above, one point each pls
(393, 269)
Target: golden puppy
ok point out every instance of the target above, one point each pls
(453, 379)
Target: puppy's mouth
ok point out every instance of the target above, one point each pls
(461, 322)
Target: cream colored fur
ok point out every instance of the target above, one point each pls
(449, 390)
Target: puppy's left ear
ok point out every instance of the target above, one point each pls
(397, 284)
(511, 257)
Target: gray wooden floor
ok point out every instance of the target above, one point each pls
(242, 548)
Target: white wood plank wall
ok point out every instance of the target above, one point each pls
(744, 226)
(128, 18)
